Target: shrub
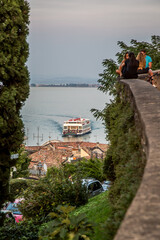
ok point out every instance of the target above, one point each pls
(92, 168)
(66, 226)
(70, 192)
(17, 186)
(44, 195)
(26, 230)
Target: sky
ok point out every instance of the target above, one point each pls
(71, 38)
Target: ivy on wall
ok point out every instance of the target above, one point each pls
(124, 162)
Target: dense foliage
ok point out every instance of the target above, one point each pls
(26, 230)
(92, 168)
(124, 162)
(44, 195)
(18, 185)
(63, 225)
(14, 83)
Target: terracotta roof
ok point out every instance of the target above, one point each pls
(53, 153)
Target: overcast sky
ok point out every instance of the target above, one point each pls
(70, 38)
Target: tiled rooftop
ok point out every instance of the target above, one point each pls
(54, 153)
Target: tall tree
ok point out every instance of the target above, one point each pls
(14, 83)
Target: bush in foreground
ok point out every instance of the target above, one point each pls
(66, 226)
(27, 230)
(44, 195)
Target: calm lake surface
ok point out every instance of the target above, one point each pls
(48, 107)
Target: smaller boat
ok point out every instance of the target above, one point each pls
(76, 127)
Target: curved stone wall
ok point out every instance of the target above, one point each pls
(142, 220)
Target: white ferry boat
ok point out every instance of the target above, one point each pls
(76, 127)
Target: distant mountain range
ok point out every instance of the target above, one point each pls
(62, 80)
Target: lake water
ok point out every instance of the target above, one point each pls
(48, 107)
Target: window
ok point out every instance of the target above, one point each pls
(73, 127)
(94, 186)
(97, 186)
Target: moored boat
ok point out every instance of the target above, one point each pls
(76, 127)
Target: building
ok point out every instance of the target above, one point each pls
(55, 153)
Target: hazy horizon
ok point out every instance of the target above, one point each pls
(71, 38)
(64, 80)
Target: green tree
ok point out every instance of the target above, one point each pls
(109, 77)
(14, 83)
(92, 168)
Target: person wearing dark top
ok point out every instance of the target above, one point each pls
(131, 66)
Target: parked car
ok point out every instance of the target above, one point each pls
(94, 187)
(8, 215)
(106, 185)
(13, 207)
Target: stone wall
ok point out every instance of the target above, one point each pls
(142, 220)
(156, 74)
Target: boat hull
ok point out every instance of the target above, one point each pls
(74, 134)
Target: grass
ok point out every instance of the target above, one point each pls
(97, 211)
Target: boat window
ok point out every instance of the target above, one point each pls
(73, 127)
